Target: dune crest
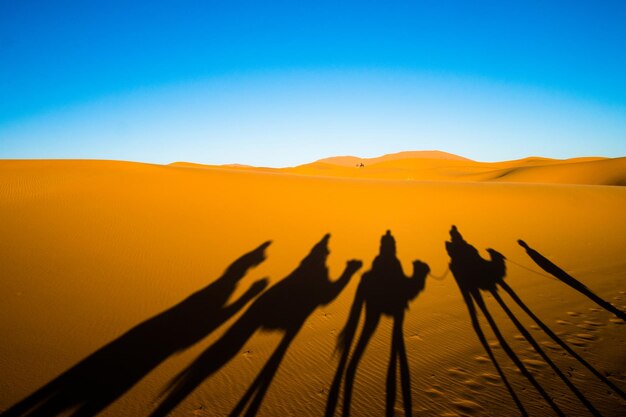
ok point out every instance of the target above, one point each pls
(353, 160)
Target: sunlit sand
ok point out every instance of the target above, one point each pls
(134, 289)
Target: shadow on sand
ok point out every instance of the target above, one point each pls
(383, 290)
(283, 307)
(473, 274)
(98, 380)
(545, 264)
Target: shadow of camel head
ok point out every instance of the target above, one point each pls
(319, 253)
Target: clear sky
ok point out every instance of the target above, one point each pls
(281, 83)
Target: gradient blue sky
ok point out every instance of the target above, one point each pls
(283, 83)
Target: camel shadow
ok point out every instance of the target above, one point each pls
(545, 264)
(474, 274)
(98, 380)
(383, 290)
(283, 307)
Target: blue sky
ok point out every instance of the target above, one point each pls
(281, 83)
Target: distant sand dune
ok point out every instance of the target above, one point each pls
(441, 166)
(351, 161)
(405, 166)
(594, 172)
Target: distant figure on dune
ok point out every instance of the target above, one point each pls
(545, 264)
(105, 375)
(284, 307)
(383, 290)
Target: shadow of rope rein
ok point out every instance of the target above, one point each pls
(439, 277)
(447, 272)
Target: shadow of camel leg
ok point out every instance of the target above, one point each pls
(405, 375)
(206, 364)
(391, 375)
(51, 407)
(509, 351)
(542, 353)
(371, 322)
(483, 340)
(560, 342)
(333, 395)
(257, 390)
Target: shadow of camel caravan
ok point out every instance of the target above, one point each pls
(284, 307)
(383, 290)
(474, 274)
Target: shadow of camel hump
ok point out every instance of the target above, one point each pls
(473, 274)
(283, 307)
(105, 375)
(383, 290)
(545, 264)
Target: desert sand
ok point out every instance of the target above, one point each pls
(133, 289)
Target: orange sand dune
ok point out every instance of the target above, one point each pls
(441, 166)
(350, 161)
(134, 289)
(598, 171)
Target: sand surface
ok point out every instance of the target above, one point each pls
(112, 279)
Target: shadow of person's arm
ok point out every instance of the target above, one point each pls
(417, 282)
(344, 340)
(551, 268)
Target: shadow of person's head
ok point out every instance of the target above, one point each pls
(456, 245)
(495, 255)
(455, 235)
(387, 245)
